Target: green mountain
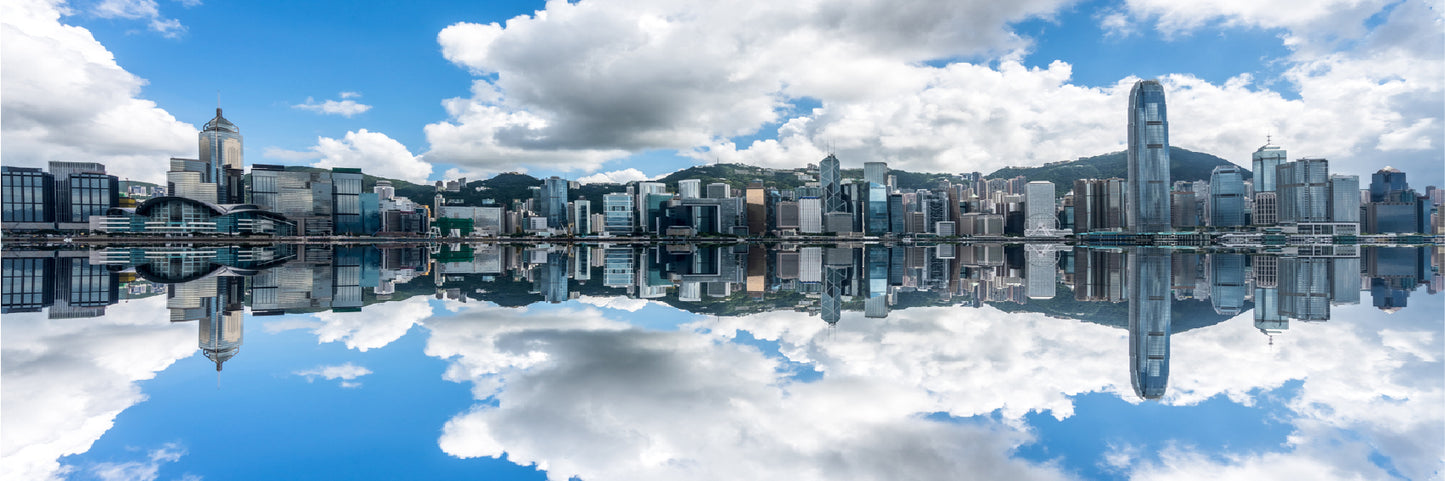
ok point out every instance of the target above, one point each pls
(1183, 165)
(503, 188)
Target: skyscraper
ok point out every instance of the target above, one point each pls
(875, 172)
(554, 202)
(1266, 159)
(1039, 202)
(1226, 197)
(830, 179)
(1148, 201)
(220, 149)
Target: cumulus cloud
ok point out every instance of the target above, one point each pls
(67, 379)
(346, 107)
(375, 153)
(345, 372)
(614, 177)
(615, 302)
(290, 155)
(621, 78)
(60, 81)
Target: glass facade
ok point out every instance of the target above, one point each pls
(830, 179)
(1148, 159)
(617, 214)
(1266, 160)
(877, 221)
(1150, 316)
(28, 195)
(554, 202)
(89, 194)
(1226, 197)
(1303, 186)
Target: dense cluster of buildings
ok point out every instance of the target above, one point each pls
(212, 195)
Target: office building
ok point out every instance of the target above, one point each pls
(554, 202)
(1267, 160)
(28, 197)
(1226, 197)
(689, 188)
(830, 179)
(617, 214)
(1041, 217)
(876, 172)
(1148, 159)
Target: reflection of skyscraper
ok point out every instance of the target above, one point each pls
(1267, 317)
(876, 305)
(1304, 288)
(1227, 287)
(1041, 272)
(1149, 320)
(551, 277)
(1148, 158)
(830, 305)
(28, 283)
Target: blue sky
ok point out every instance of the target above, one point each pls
(598, 88)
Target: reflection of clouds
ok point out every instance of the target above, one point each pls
(587, 396)
(973, 361)
(1366, 375)
(147, 470)
(67, 379)
(374, 327)
(615, 302)
(345, 372)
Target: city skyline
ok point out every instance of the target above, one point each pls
(1297, 78)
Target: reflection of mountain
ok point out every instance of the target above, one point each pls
(1188, 313)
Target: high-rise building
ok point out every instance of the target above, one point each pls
(1226, 197)
(719, 190)
(1394, 207)
(689, 188)
(581, 217)
(876, 172)
(1266, 160)
(221, 150)
(875, 212)
(1039, 203)
(554, 202)
(1099, 205)
(757, 213)
(810, 215)
(830, 179)
(645, 189)
(617, 214)
(1148, 159)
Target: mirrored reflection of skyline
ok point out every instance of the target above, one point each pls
(1150, 294)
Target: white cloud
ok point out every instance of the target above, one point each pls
(142, 9)
(60, 81)
(614, 177)
(374, 153)
(146, 470)
(345, 372)
(345, 107)
(67, 379)
(624, 77)
(290, 155)
(618, 79)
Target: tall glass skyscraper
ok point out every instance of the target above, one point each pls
(1266, 159)
(830, 179)
(1148, 202)
(554, 202)
(1226, 197)
(220, 149)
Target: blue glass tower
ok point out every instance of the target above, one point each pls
(1148, 201)
(1226, 197)
(1148, 277)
